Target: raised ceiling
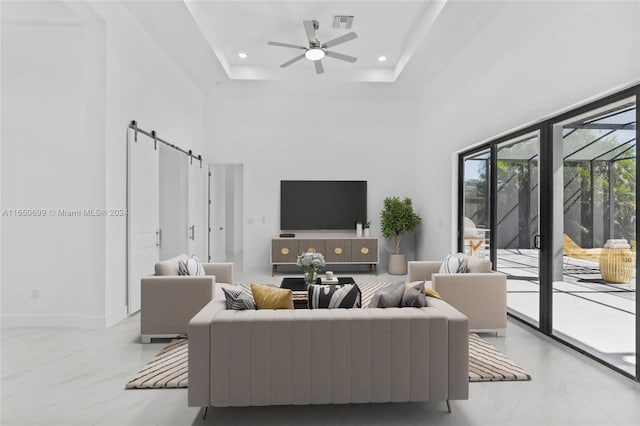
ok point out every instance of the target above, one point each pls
(393, 29)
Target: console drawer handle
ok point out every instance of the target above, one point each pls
(311, 250)
(284, 251)
(337, 250)
(364, 250)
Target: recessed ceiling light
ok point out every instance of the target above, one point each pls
(382, 58)
(242, 55)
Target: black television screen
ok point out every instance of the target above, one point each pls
(322, 204)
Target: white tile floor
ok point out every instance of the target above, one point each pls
(77, 377)
(598, 317)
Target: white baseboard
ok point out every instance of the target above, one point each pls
(57, 320)
(63, 320)
(115, 316)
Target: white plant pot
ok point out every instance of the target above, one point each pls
(367, 232)
(398, 264)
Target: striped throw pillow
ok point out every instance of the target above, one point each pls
(190, 266)
(454, 264)
(334, 296)
(237, 300)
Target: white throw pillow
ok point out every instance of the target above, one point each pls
(478, 264)
(454, 264)
(191, 266)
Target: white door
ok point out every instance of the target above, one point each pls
(174, 198)
(217, 213)
(197, 211)
(142, 220)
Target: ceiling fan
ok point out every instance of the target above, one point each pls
(316, 50)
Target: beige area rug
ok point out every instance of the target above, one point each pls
(169, 368)
(487, 364)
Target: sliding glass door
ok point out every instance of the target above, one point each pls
(594, 296)
(516, 227)
(554, 206)
(475, 237)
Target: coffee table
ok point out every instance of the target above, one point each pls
(300, 290)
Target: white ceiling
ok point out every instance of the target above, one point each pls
(419, 38)
(385, 28)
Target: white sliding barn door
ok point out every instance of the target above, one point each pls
(197, 211)
(174, 198)
(143, 215)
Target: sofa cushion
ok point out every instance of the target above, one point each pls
(454, 264)
(190, 266)
(388, 297)
(237, 300)
(414, 295)
(169, 266)
(268, 297)
(334, 296)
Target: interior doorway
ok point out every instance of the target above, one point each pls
(226, 213)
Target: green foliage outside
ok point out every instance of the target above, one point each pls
(397, 218)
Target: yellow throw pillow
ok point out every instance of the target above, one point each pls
(431, 293)
(268, 297)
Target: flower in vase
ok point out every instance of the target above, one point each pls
(310, 262)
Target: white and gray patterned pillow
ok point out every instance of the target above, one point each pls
(238, 300)
(190, 266)
(333, 296)
(454, 264)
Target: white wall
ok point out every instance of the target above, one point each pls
(529, 60)
(69, 91)
(52, 268)
(281, 131)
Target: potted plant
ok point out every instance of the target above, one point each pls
(367, 227)
(397, 218)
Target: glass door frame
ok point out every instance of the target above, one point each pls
(546, 223)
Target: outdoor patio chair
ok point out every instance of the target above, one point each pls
(572, 249)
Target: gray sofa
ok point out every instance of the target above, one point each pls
(169, 300)
(326, 356)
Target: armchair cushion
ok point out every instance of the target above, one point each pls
(478, 264)
(170, 266)
(454, 264)
(190, 266)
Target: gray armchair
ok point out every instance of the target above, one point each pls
(169, 300)
(481, 294)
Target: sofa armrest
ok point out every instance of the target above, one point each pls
(223, 271)
(169, 302)
(422, 270)
(200, 353)
(482, 297)
(458, 348)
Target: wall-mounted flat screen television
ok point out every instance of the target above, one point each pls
(322, 204)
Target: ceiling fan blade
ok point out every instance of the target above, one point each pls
(319, 67)
(311, 32)
(293, 46)
(291, 61)
(341, 56)
(340, 40)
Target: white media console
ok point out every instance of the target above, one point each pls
(338, 250)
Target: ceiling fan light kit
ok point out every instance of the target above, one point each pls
(314, 54)
(316, 50)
